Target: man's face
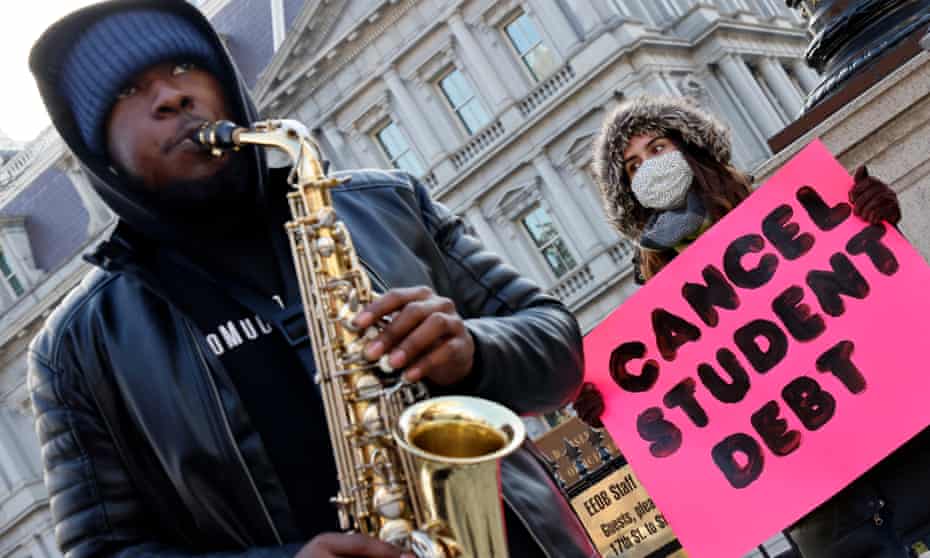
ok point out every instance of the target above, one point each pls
(153, 116)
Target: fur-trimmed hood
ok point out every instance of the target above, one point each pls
(662, 116)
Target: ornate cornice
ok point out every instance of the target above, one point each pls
(329, 60)
(499, 12)
(311, 27)
(517, 201)
(371, 116)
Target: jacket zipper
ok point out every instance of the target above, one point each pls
(526, 526)
(232, 438)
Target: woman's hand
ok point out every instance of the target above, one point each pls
(873, 200)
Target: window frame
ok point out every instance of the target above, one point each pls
(527, 68)
(541, 248)
(11, 281)
(475, 97)
(392, 161)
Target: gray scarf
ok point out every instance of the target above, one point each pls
(668, 229)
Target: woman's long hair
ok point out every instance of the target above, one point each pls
(721, 188)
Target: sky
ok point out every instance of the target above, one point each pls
(22, 114)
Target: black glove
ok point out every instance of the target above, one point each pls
(873, 200)
(590, 405)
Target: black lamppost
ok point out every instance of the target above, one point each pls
(849, 35)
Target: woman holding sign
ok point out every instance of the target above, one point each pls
(664, 169)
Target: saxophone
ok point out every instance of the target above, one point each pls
(417, 472)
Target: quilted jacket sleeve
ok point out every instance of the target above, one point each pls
(95, 508)
(528, 345)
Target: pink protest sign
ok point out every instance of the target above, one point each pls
(779, 357)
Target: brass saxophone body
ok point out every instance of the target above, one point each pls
(419, 473)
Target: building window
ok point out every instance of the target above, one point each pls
(539, 58)
(462, 99)
(546, 237)
(398, 150)
(10, 277)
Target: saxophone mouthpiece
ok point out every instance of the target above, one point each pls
(217, 137)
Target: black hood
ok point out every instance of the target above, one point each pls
(46, 60)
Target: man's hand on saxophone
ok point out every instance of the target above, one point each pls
(426, 335)
(354, 545)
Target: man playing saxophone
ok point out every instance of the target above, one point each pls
(174, 389)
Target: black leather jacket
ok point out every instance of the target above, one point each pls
(147, 447)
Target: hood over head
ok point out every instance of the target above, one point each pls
(74, 74)
(676, 117)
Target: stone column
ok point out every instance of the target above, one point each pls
(750, 93)
(656, 83)
(778, 80)
(366, 150)
(12, 460)
(579, 229)
(527, 258)
(588, 14)
(344, 158)
(481, 68)
(487, 234)
(556, 23)
(49, 543)
(594, 208)
(41, 546)
(98, 212)
(413, 119)
(806, 75)
(278, 23)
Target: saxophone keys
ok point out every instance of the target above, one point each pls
(367, 387)
(425, 546)
(390, 501)
(396, 532)
(325, 246)
(371, 421)
(385, 365)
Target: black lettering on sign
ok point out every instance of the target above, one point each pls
(733, 262)
(665, 436)
(784, 234)
(796, 316)
(672, 332)
(682, 395)
(845, 279)
(762, 358)
(715, 292)
(869, 241)
(739, 475)
(623, 378)
(825, 217)
(837, 360)
(813, 406)
(774, 430)
(727, 392)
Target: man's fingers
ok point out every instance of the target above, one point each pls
(433, 328)
(444, 363)
(355, 544)
(391, 302)
(393, 336)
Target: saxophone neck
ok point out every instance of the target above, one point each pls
(287, 136)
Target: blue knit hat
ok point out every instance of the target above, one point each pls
(116, 48)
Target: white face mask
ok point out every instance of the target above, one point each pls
(663, 181)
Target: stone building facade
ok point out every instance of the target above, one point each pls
(492, 103)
